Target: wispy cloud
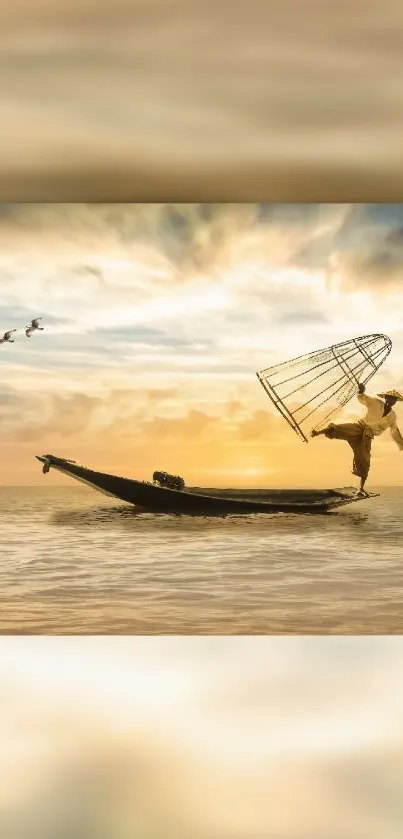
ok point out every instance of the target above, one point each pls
(365, 250)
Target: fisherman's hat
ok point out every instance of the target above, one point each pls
(395, 393)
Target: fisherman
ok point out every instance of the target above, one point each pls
(33, 327)
(7, 339)
(359, 434)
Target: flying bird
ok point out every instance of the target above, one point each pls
(33, 327)
(7, 337)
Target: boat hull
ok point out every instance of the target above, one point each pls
(205, 501)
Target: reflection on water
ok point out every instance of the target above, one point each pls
(95, 516)
(126, 514)
(71, 564)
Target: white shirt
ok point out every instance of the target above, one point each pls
(376, 421)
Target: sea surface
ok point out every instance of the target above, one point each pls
(73, 561)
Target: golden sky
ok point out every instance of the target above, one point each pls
(157, 318)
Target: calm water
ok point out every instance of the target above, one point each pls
(73, 561)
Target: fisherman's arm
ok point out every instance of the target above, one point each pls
(362, 396)
(396, 436)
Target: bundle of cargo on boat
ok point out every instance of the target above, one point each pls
(164, 479)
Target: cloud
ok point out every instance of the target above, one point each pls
(192, 429)
(256, 426)
(296, 215)
(303, 317)
(379, 267)
(83, 270)
(20, 316)
(362, 251)
(184, 242)
(395, 237)
(377, 216)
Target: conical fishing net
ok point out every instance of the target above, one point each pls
(309, 389)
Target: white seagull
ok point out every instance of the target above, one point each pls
(7, 337)
(33, 327)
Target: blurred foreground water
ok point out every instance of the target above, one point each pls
(248, 738)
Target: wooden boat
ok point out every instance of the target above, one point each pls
(153, 496)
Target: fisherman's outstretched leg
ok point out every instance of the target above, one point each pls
(342, 431)
(329, 431)
(315, 433)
